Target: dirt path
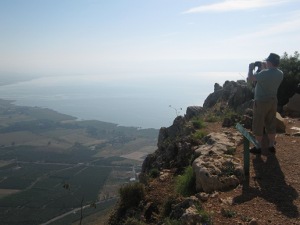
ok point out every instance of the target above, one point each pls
(271, 193)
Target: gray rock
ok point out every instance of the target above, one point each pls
(172, 152)
(236, 94)
(179, 209)
(191, 216)
(217, 173)
(217, 87)
(194, 111)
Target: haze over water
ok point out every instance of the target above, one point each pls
(127, 100)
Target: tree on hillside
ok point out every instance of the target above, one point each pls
(290, 65)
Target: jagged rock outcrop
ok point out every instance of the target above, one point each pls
(194, 111)
(174, 150)
(236, 94)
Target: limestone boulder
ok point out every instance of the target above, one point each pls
(215, 169)
(217, 172)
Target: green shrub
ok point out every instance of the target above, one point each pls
(211, 118)
(198, 123)
(186, 183)
(206, 217)
(131, 194)
(154, 173)
(199, 134)
(228, 213)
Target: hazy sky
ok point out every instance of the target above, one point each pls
(96, 36)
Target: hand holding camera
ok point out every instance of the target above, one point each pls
(251, 66)
(258, 64)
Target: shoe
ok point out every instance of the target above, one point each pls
(272, 149)
(255, 150)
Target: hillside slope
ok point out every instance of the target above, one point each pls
(269, 195)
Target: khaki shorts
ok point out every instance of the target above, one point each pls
(264, 116)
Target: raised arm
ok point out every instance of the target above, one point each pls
(251, 77)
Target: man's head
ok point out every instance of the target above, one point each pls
(274, 59)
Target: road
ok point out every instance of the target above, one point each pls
(75, 211)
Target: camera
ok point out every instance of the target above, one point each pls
(258, 64)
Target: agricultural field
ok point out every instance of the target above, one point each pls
(52, 165)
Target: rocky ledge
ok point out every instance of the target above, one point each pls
(210, 155)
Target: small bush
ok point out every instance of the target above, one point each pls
(228, 213)
(199, 134)
(154, 173)
(198, 123)
(186, 183)
(212, 118)
(131, 194)
(206, 217)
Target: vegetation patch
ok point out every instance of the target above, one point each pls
(198, 123)
(154, 173)
(228, 213)
(186, 183)
(131, 194)
(206, 217)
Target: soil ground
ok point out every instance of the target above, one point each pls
(270, 195)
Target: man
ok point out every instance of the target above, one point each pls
(265, 101)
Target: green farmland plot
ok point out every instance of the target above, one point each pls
(47, 198)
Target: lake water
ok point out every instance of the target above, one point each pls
(127, 100)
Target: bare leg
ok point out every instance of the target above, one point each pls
(271, 138)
